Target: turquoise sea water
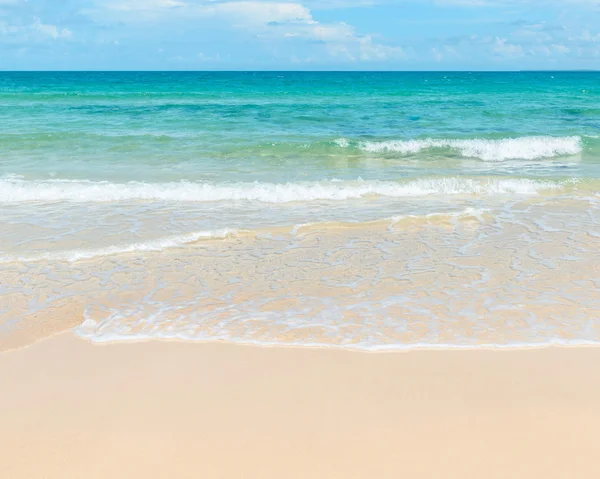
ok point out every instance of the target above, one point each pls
(286, 127)
(105, 164)
(215, 148)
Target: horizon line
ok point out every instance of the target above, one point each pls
(583, 70)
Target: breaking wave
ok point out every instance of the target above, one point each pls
(525, 148)
(18, 190)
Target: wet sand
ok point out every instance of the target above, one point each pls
(71, 409)
(526, 276)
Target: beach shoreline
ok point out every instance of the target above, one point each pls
(74, 409)
(298, 274)
(450, 282)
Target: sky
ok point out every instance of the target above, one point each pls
(299, 35)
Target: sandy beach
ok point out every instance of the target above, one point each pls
(71, 409)
(286, 239)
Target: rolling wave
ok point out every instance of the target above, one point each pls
(18, 190)
(525, 148)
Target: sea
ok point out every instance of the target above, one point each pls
(374, 211)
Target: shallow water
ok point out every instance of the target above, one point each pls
(361, 210)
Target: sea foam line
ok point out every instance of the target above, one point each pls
(169, 242)
(524, 148)
(18, 190)
(367, 348)
(109, 330)
(152, 245)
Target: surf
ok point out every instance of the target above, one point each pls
(19, 190)
(523, 148)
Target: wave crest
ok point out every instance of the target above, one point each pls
(17, 190)
(525, 148)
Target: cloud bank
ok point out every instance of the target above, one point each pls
(309, 34)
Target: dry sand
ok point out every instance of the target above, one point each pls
(70, 409)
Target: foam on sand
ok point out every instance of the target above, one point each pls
(152, 245)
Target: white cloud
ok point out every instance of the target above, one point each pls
(294, 21)
(513, 3)
(586, 37)
(532, 35)
(503, 48)
(50, 30)
(209, 58)
(363, 48)
(147, 5)
(248, 10)
(331, 4)
(553, 41)
(464, 3)
(442, 53)
(36, 31)
(540, 43)
(260, 13)
(560, 49)
(136, 5)
(275, 21)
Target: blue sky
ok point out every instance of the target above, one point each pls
(299, 35)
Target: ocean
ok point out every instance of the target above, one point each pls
(363, 210)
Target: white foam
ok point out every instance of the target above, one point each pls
(17, 190)
(115, 326)
(93, 331)
(525, 148)
(152, 245)
(342, 142)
